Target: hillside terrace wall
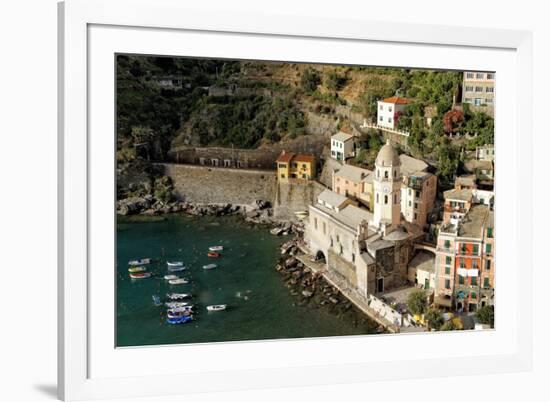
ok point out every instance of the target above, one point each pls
(260, 158)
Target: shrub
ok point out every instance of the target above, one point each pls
(416, 302)
(486, 315)
(434, 318)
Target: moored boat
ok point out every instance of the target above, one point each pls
(156, 300)
(174, 263)
(179, 320)
(178, 313)
(137, 269)
(216, 307)
(140, 275)
(179, 281)
(213, 254)
(215, 248)
(178, 296)
(170, 277)
(136, 263)
(176, 304)
(209, 266)
(176, 269)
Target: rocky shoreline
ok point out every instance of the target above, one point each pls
(312, 289)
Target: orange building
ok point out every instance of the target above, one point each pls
(295, 166)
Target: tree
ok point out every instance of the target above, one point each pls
(448, 326)
(486, 315)
(334, 81)
(416, 302)
(434, 318)
(309, 80)
(452, 121)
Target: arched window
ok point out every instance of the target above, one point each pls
(385, 199)
(395, 173)
(386, 174)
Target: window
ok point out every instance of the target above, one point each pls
(490, 233)
(473, 295)
(417, 194)
(476, 249)
(324, 228)
(395, 198)
(479, 89)
(489, 89)
(377, 200)
(303, 166)
(315, 223)
(385, 199)
(463, 248)
(389, 119)
(353, 257)
(487, 265)
(282, 175)
(469, 88)
(410, 203)
(479, 76)
(447, 270)
(486, 283)
(461, 280)
(381, 118)
(386, 174)
(381, 107)
(448, 260)
(490, 76)
(462, 263)
(473, 281)
(474, 264)
(488, 249)
(447, 243)
(489, 100)
(410, 191)
(282, 165)
(447, 284)
(467, 100)
(395, 173)
(415, 216)
(469, 75)
(416, 205)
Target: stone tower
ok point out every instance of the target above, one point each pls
(387, 189)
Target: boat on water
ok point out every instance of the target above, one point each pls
(170, 277)
(216, 307)
(189, 307)
(140, 275)
(209, 266)
(174, 263)
(175, 304)
(176, 269)
(137, 269)
(276, 231)
(137, 263)
(179, 281)
(177, 314)
(178, 296)
(215, 248)
(179, 320)
(213, 254)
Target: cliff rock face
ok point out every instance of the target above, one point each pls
(294, 197)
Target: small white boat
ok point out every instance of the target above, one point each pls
(276, 231)
(174, 263)
(216, 307)
(215, 248)
(176, 304)
(178, 296)
(180, 309)
(136, 263)
(176, 269)
(179, 281)
(209, 266)
(171, 277)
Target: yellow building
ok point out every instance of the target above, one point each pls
(295, 166)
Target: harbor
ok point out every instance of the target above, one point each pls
(257, 304)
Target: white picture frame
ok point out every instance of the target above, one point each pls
(90, 31)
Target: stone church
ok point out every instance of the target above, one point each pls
(366, 251)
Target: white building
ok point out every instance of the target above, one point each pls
(387, 189)
(342, 146)
(389, 111)
(418, 191)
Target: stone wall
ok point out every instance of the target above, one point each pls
(295, 196)
(260, 158)
(200, 184)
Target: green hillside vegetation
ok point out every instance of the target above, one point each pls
(249, 104)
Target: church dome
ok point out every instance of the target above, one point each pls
(387, 156)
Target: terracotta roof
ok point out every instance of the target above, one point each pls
(285, 157)
(304, 158)
(396, 100)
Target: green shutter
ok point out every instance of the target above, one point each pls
(447, 270)
(486, 283)
(448, 260)
(474, 281)
(476, 248)
(461, 280)
(488, 248)
(490, 232)
(447, 243)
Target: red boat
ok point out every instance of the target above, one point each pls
(140, 275)
(213, 254)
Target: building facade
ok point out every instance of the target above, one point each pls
(418, 192)
(355, 182)
(342, 146)
(295, 166)
(389, 111)
(464, 265)
(478, 90)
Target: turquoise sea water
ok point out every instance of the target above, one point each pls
(259, 305)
